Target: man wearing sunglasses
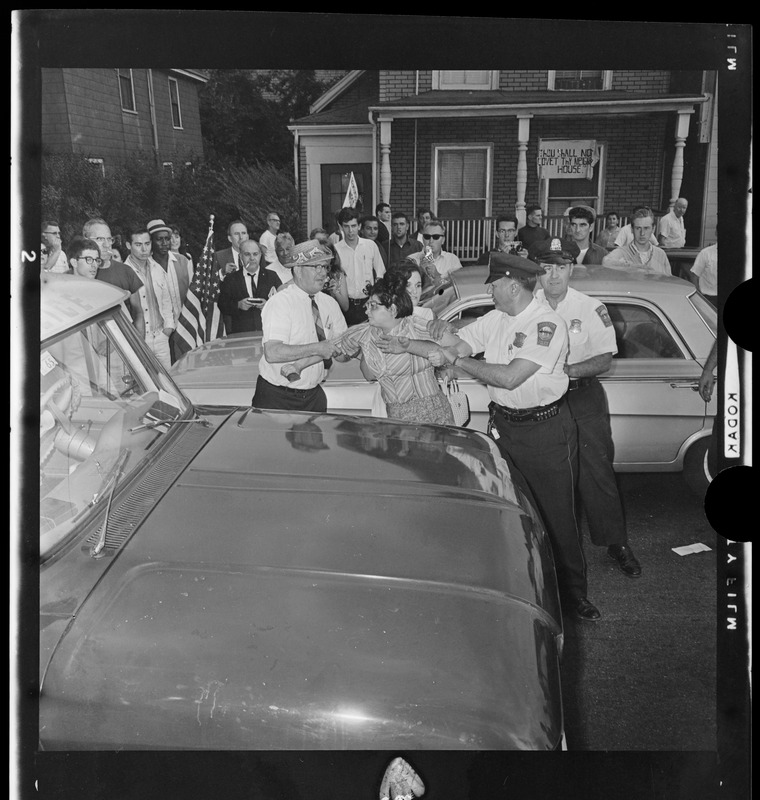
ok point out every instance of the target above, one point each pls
(434, 261)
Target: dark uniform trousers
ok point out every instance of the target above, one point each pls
(267, 395)
(597, 485)
(542, 456)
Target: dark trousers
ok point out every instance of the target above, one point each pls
(267, 395)
(597, 484)
(356, 312)
(542, 458)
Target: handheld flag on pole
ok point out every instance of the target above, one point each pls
(200, 319)
(352, 193)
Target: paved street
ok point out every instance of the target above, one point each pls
(644, 677)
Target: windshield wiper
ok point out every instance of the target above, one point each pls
(96, 551)
(157, 423)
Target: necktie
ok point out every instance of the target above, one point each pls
(320, 328)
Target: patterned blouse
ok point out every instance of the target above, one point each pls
(402, 376)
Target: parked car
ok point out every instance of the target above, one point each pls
(219, 577)
(664, 331)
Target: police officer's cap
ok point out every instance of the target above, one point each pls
(505, 265)
(553, 251)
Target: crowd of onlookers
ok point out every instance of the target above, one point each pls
(152, 262)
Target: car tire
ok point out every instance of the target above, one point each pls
(699, 465)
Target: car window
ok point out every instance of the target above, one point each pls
(640, 333)
(470, 314)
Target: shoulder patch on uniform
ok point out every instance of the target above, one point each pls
(546, 332)
(604, 315)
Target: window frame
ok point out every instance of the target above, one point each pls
(119, 77)
(177, 127)
(552, 77)
(491, 83)
(488, 147)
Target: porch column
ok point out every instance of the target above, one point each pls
(523, 135)
(676, 176)
(385, 160)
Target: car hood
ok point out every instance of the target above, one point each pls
(317, 582)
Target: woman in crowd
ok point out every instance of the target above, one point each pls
(177, 245)
(610, 231)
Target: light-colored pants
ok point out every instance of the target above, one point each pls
(158, 342)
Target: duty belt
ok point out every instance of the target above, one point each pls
(577, 383)
(535, 414)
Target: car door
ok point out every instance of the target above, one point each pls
(651, 387)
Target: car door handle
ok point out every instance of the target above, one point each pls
(693, 386)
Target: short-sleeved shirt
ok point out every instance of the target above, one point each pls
(589, 327)
(672, 230)
(268, 239)
(705, 267)
(363, 265)
(287, 317)
(537, 334)
(445, 264)
(402, 376)
(118, 274)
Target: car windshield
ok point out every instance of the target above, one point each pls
(103, 403)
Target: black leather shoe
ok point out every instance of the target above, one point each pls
(587, 610)
(626, 560)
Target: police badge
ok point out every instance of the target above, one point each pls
(575, 326)
(545, 333)
(519, 339)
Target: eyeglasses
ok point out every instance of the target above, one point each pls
(434, 236)
(89, 260)
(506, 230)
(318, 267)
(102, 239)
(57, 234)
(373, 305)
(43, 251)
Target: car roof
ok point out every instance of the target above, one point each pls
(69, 300)
(470, 281)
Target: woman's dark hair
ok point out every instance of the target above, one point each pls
(390, 290)
(407, 267)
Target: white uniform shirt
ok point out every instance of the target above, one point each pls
(163, 297)
(705, 267)
(358, 265)
(536, 334)
(268, 239)
(287, 317)
(672, 229)
(589, 327)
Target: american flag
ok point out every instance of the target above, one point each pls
(200, 319)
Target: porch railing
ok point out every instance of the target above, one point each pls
(468, 238)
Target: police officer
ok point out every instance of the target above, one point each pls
(525, 347)
(592, 346)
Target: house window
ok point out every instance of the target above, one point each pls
(126, 90)
(463, 181)
(580, 79)
(559, 194)
(99, 165)
(174, 102)
(466, 79)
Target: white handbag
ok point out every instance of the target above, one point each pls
(460, 404)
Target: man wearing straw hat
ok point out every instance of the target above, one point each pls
(301, 321)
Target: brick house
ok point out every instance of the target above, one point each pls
(108, 115)
(466, 144)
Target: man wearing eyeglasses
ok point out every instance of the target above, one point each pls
(115, 272)
(506, 240)
(435, 262)
(268, 238)
(299, 322)
(51, 238)
(84, 257)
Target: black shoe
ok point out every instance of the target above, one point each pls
(626, 560)
(587, 610)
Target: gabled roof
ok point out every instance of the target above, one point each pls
(335, 90)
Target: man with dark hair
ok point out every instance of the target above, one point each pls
(51, 238)
(361, 261)
(383, 213)
(532, 231)
(401, 244)
(592, 347)
(525, 346)
(113, 271)
(84, 257)
(581, 220)
(370, 229)
(155, 300)
(424, 215)
(506, 239)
